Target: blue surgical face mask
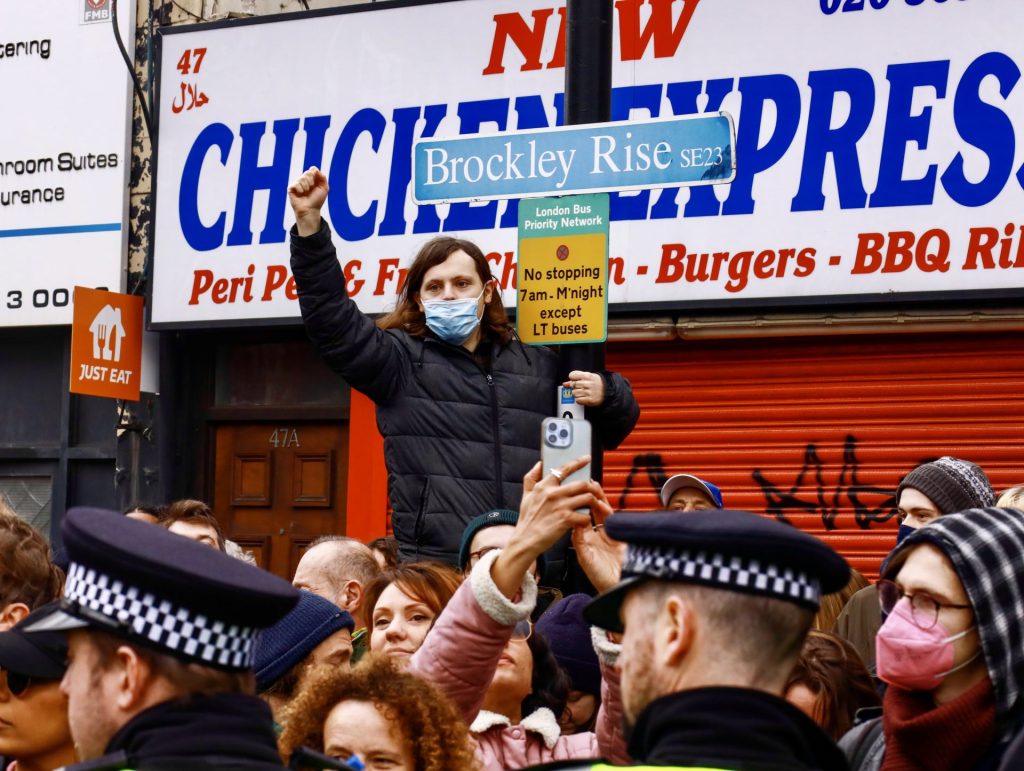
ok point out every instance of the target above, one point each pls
(903, 532)
(453, 320)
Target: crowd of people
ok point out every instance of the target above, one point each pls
(707, 638)
(716, 639)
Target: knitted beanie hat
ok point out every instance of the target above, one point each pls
(952, 484)
(290, 640)
(490, 519)
(485, 520)
(569, 637)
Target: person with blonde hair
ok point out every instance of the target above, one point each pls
(1012, 498)
(386, 717)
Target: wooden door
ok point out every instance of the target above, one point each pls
(278, 486)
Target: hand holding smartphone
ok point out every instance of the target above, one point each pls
(563, 440)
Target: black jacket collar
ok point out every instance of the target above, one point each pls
(733, 728)
(226, 730)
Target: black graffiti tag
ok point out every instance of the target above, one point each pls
(809, 493)
(651, 464)
(825, 501)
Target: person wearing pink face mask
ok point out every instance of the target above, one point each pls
(951, 649)
(929, 491)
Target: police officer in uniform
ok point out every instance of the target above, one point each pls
(713, 609)
(160, 649)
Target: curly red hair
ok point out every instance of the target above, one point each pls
(430, 723)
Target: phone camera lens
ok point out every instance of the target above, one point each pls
(564, 433)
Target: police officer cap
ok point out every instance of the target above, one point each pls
(733, 550)
(152, 587)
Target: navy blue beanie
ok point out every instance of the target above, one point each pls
(286, 643)
(568, 634)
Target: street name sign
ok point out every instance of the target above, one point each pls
(597, 157)
(562, 285)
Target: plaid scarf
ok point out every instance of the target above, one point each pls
(986, 547)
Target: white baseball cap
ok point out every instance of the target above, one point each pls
(682, 481)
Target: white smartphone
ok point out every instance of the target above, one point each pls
(563, 440)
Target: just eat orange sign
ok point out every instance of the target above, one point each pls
(106, 344)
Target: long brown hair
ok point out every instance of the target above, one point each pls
(429, 722)
(408, 316)
(432, 583)
(832, 604)
(831, 669)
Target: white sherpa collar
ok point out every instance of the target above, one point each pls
(485, 720)
(494, 603)
(541, 722)
(605, 649)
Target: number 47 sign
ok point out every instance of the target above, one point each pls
(191, 96)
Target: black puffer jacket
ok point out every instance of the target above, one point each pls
(457, 438)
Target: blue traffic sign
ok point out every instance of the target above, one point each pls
(671, 152)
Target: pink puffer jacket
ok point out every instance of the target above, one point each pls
(460, 655)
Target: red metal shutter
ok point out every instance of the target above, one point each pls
(818, 431)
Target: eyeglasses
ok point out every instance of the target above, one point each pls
(522, 630)
(475, 556)
(924, 608)
(17, 683)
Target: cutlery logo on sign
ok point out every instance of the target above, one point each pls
(107, 334)
(106, 344)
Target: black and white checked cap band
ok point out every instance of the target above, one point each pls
(105, 601)
(745, 574)
(736, 551)
(164, 591)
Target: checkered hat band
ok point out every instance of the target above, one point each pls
(159, 621)
(729, 572)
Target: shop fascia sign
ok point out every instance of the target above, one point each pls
(599, 157)
(64, 149)
(880, 162)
